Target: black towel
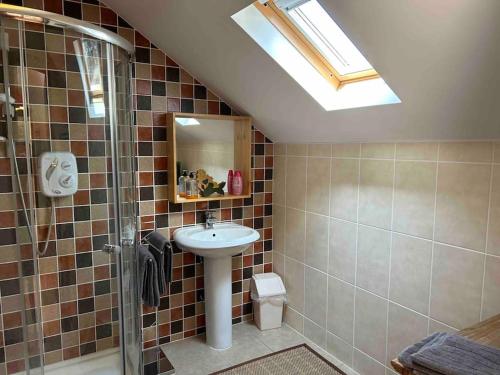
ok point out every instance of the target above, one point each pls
(148, 276)
(163, 257)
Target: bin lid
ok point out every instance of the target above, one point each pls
(267, 285)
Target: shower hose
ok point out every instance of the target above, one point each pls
(25, 211)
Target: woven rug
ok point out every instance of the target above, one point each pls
(298, 360)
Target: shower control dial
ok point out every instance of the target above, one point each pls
(66, 165)
(58, 174)
(66, 181)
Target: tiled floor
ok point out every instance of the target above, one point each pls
(193, 357)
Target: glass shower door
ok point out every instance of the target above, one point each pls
(123, 146)
(71, 94)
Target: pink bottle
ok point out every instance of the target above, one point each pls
(237, 183)
(230, 182)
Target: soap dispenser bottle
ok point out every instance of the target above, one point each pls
(182, 184)
(237, 183)
(192, 187)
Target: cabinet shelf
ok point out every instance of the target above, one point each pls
(214, 198)
(242, 145)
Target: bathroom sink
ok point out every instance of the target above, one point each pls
(222, 240)
(217, 245)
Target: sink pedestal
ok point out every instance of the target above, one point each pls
(218, 302)
(217, 245)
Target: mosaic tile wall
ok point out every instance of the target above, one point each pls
(71, 268)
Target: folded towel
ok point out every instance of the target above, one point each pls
(434, 339)
(148, 276)
(162, 251)
(459, 356)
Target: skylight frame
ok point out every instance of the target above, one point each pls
(301, 42)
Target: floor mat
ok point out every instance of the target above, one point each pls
(298, 360)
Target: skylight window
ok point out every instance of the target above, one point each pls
(327, 37)
(301, 37)
(319, 39)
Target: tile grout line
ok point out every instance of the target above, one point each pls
(356, 259)
(488, 219)
(433, 243)
(328, 236)
(304, 249)
(390, 257)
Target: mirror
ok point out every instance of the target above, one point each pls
(210, 145)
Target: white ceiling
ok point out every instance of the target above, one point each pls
(441, 57)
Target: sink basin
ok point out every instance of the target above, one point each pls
(217, 246)
(222, 240)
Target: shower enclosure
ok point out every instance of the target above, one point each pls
(68, 295)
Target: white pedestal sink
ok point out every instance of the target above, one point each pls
(217, 246)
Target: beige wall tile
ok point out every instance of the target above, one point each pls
(316, 284)
(294, 284)
(370, 327)
(461, 217)
(435, 326)
(318, 185)
(414, 198)
(346, 150)
(296, 149)
(363, 364)
(404, 329)
(279, 264)
(279, 228)
(493, 244)
(491, 296)
(279, 149)
(339, 349)
(341, 309)
(417, 151)
(316, 245)
(378, 150)
(372, 272)
(294, 319)
(279, 180)
(296, 182)
(375, 193)
(315, 333)
(295, 234)
(410, 272)
(342, 260)
(462, 204)
(466, 151)
(319, 149)
(455, 300)
(497, 152)
(344, 189)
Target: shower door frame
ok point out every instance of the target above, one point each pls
(22, 15)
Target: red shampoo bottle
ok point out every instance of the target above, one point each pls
(237, 183)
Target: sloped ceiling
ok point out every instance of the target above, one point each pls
(441, 57)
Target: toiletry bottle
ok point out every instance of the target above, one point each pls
(237, 183)
(182, 184)
(192, 187)
(230, 181)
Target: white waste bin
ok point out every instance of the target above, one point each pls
(268, 294)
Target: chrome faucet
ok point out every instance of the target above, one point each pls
(210, 219)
